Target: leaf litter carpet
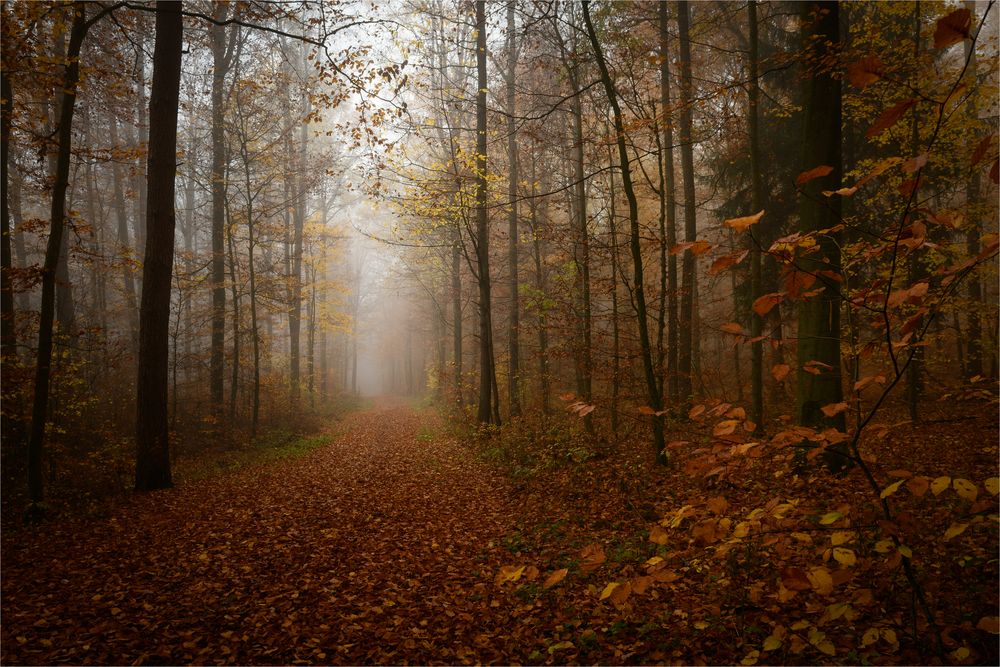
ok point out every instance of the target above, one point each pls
(379, 548)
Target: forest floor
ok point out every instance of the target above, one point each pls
(397, 544)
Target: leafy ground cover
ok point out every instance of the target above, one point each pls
(396, 543)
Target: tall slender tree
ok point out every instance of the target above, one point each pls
(652, 386)
(152, 437)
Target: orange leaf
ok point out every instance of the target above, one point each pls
(700, 247)
(890, 117)
(833, 409)
(952, 29)
(725, 427)
(815, 172)
(742, 224)
(797, 281)
(795, 579)
(554, 578)
(696, 411)
(658, 535)
(592, 556)
(864, 72)
(733, 328)
(990, 624)
(763, 305)
(915, 163)
(724, 262)
(918, 485)
(780, 372)
(646, 410)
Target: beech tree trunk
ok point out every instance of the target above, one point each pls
(152, 470)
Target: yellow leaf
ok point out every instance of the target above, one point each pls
(658, 535)
(509, 573)
(821, 580)
(940, 484)
(870, 637)
(965, 489)
(841, 537)
(891, 489)
(992, 485)
(608, 590)
(772, 643)
(844, 556)
(800, 625)
(990, 624)
(889, 635)
(905, 550)
(960, 654)
(827, 647)
(954, 530)
(700, 625)
(883, 546)
(555, 578)
(655, 560)
(751, 658)
(560, 646)
(830, 517)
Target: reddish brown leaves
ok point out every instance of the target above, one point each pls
(952, 29)
(591, 557)
(890, 117)
(864, 72)
(814, 173)
(763, 305)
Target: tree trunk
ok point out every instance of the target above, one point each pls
(671, 207)
(125, 247)
(485, 413)
(819, 316)
(456, 309)
(652, 386)
(8, 335)
(152, 438)
(57, 222)
(756, 193)
(513, 368)
(685, 370)
(221, 64)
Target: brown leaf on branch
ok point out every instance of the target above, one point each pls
(812, 174)
(890, 117)
(763, 305)
(863, 73)
(953, 28)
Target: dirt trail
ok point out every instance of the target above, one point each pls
(380, 547)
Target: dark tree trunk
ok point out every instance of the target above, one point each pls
(819, 316)
(756, 190)
(652, 386)
(57, 223)
(8, 336)
(152, 438)
(486, 373)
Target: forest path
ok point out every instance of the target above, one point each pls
(380, 547)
